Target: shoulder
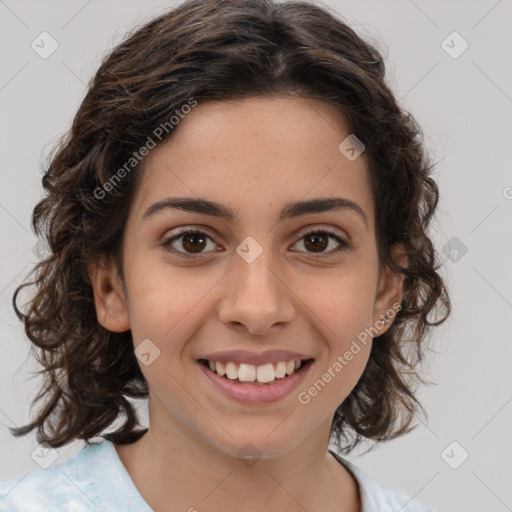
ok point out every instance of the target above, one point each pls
(378, 497)
(67, 483)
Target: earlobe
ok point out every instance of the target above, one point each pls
(389, 293)
(109, 298)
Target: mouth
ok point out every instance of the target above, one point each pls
(250, 384)
(262, 375)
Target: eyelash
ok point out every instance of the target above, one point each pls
(343, 244)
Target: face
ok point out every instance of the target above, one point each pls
(255, 281)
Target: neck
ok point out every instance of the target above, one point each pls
(169, 465)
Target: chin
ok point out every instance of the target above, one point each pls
(253, 447)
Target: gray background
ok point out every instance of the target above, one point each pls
(464, 106)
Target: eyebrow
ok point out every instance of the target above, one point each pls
(290, 210)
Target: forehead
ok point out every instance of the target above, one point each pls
(256, 155)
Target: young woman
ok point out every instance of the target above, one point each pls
(238, 224)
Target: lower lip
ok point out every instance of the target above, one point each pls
(252, 393)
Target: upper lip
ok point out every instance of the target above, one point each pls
(254, 358)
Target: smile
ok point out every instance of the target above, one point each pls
(261, 374)
(255, 384)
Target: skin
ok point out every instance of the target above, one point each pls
(254, 156)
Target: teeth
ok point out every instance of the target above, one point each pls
(247, 373)
(280, 370)
(250, 373)
(265, 373)
(220, 369)
(231, 370)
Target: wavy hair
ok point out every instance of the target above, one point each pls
(220, 50)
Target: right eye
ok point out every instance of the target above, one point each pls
(192, 240)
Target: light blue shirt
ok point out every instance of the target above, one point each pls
(95, 479)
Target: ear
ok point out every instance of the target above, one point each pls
(109, 297)
(389, 292)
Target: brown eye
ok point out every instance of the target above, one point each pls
(318, 242)
(193, 242)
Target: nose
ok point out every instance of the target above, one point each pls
(255, 296)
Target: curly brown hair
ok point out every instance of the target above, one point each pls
(220, 50)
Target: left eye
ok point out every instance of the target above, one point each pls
(194, 242)
(318, 241)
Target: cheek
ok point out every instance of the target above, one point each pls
(346, 343)
(166, 304)
(342, 320)
(342, 300)
(341, 309)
